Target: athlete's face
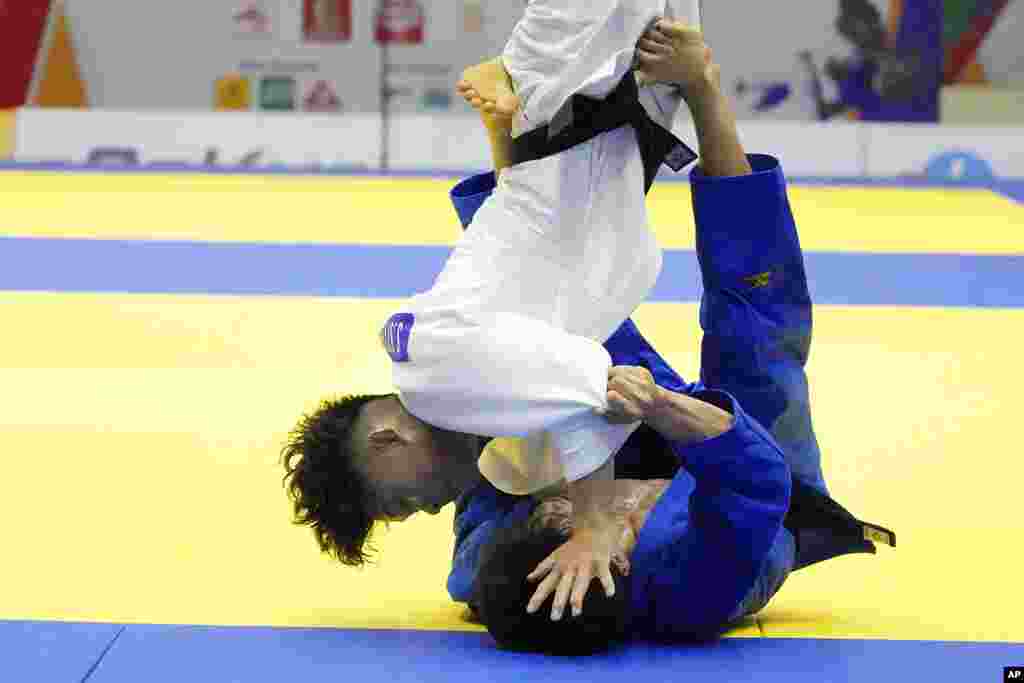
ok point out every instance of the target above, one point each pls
(412, 466)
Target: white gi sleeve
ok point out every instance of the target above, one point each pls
(507, 375)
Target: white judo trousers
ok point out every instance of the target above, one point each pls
(507, 342)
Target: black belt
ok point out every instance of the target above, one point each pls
(584, 118)
(824, 529)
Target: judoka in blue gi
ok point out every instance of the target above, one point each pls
(712, 528)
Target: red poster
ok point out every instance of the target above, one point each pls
(327, 21)
(400, 22)
(22, 23)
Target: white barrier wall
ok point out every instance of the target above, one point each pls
(458, 143)
(220, 139)
(900, 150)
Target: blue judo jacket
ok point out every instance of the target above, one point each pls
(714, 547)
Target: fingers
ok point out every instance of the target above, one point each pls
(654, 34)
(543, 591)
(579, 591)
(542, 568)
(568, 572)
(565, 587)
(675, 30)
(664, 49)
(645, 58)
(631, 394)
(605, 574)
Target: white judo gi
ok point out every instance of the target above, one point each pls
(507, 342)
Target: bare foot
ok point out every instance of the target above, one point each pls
(487, 88)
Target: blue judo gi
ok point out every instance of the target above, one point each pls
(715, 547)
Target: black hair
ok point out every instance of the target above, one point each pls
(327, 491)
(501, 593)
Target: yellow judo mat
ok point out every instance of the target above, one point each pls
(141, 430)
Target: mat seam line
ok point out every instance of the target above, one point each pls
(106, 650)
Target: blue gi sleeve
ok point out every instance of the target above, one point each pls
(704, 544)
(756, 308)
(470, 194)
(479, 513)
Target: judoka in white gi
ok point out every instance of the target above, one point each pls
(507, 341)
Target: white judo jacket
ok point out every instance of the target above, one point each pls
(507, 342)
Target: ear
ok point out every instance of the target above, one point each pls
(381, 438)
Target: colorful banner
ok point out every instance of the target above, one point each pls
(967, 24)
(400, 22)
(232, 92)
(327, 21)
(58, 81)
(869, 60)
(8, 121)
(23, 24)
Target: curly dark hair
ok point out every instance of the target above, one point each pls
(328, 492)
(501, 593)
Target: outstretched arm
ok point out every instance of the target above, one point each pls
(756, 309)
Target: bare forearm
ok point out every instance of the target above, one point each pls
(687, 420)
(592, 496)
(721, 152)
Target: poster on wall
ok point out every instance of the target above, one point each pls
(327, 21)
(277, 93)
(252, 20)
(976, 52)
(23, 24)
(400, 22)
(472, 16)
(232, 92)
(868, 60)
(320, 95)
